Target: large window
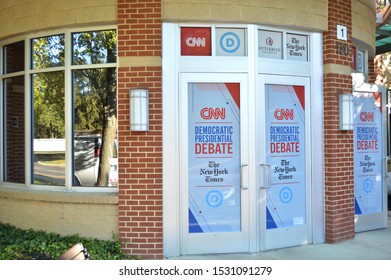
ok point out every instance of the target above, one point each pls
(72, 120)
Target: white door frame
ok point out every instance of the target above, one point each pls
(213, 242)
(299, 234)
(366, 222)
(173, 64)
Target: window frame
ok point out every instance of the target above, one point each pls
(28, 73)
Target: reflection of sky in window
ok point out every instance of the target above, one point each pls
(94, 47)
(48, 51)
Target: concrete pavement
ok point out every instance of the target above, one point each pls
(370, 245)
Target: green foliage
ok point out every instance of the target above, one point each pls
(380, 5)
(49, 104)
(18, 244)
(49, 90)
(94, 89)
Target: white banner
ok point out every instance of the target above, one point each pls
(368, 187)
(214, 157)
(285, 142)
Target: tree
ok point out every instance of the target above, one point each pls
(97, 86)
(94, 90)
(380, 4)
(48, 88)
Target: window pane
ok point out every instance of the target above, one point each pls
(48, 52)
(49, 129)
(94, 47)
(95, 127)
(14, 130)
(14, 57)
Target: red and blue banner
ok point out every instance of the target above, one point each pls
(367, 128)
(214, 157)
(285, 146)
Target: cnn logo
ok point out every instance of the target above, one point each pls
(367, 116)
(212, 113)
(284, 114)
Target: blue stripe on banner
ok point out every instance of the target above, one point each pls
(269, 220)
(194, 227)
(357, 209)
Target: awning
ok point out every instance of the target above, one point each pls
(383, 30)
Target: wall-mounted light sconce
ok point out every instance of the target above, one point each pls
(346, 111)
(139, 111)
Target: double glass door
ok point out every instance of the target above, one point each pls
(244, 165)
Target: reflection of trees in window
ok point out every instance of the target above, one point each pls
(49, 110)
(48, 52)
(49, 125)
(95, 98)
(95, 112)
(49, 113)
(94, 47)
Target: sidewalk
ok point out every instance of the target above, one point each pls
(371, 245)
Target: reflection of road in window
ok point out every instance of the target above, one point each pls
(95, 108)
(49, 169)
(91, 96)
(49, 128)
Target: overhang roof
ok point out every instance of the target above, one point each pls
(383, 30)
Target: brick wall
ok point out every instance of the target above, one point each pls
(15, 139)
(140, 153)
(14, 99)
(339, 177)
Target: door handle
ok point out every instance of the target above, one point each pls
(241, 176)
(266, 184)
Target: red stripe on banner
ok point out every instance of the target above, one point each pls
(234, 90)
(299, 90)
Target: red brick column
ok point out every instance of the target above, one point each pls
(140, 153)
(339, 177)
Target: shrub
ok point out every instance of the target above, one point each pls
(18, 244)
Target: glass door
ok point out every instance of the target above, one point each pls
(284, 161)
(214, 172)
(245, 163)
(369, 160)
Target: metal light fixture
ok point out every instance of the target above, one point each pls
(345, 111)
(139, 111)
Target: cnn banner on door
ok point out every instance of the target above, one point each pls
(285, 145)
(367, 128)
(214, 159)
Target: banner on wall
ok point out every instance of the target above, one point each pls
(214, 157)
(367, 128)
(285, 142)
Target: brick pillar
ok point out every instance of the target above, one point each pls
(339, 177)
(140, 153)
